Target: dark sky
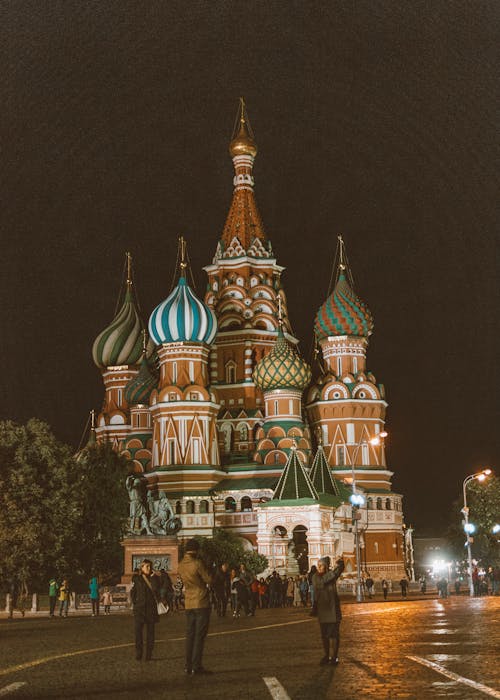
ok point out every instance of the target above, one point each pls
(374, 119)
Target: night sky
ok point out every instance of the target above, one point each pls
(377, 120)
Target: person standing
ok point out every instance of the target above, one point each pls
(327, 607)
(144, 596)
(53, 591)
(404, 587)
(222, 588)
(197, 603)
(107, 601)
(385, 588)
(94, 595)
(64, 595)
(369, 586)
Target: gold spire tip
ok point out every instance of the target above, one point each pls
(129, 268)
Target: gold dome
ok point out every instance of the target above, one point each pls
(243, 144)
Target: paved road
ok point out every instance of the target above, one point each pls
(389, 650)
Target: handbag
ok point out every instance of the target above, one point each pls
(162, 609)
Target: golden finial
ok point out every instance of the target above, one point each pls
(129, 269)
(92, 419)
(182, 245)
(242, 143)
(144, 341)
(280, 312)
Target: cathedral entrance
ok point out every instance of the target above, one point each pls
(301, 548)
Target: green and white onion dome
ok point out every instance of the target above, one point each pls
(139, 388)
(343, 313)
(121, 342)
(282, 368)
(182, 317)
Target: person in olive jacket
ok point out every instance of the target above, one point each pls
(144, 596)
(327, 607)
(197, 602)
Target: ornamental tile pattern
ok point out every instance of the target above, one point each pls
(343, 313)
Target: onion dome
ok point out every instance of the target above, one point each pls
(121, 342)
(182, 318)
(243, 143)
(343, 313)
(139, 388)
(282, 368)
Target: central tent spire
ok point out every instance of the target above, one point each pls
(244, 231)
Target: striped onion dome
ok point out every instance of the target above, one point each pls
(121, 342)
(182, 317)
(343, 313)
(282, 368)
(139, 388)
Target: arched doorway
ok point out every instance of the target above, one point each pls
(301, 548)
(278, 548)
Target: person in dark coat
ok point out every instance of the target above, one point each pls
(144, 596)
(327, 607)
(222, 588)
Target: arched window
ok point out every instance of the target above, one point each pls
(230, 372)
(379, 504)
(203, 506)
(388, 505)
(243, 432)
(178, 508)
(230, 505)
(369, 503)
(246, 503)
(190, 507)
(277, 459)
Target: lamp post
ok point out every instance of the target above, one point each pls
(469, 527)
(357, 500)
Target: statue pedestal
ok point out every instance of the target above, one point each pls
(163, 550)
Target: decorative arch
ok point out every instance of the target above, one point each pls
(335, 391)
(230, 505)
(364, 388)
(246, 503)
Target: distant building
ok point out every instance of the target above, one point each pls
(212, 410)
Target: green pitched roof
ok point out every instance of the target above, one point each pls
(321, 475)
(254, 482)
(294, 482)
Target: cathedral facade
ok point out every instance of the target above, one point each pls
(223, 421)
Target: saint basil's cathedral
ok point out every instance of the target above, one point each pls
(223, 422)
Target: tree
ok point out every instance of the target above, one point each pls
(38, 516)
(225, 546)
(104, 507)
(483, 500)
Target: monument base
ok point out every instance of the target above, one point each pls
(163, 551)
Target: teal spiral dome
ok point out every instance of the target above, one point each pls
(282, 368)
(182, 317)
(343, 313)
(121, 342)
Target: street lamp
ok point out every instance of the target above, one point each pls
(358, 500)
(469, 528)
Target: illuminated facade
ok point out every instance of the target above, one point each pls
(211, 409)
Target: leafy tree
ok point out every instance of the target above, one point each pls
(225, 546)
(103, 504)
(37, 503)
(483, 500)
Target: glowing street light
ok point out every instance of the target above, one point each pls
(495, 529)
(479, 476)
